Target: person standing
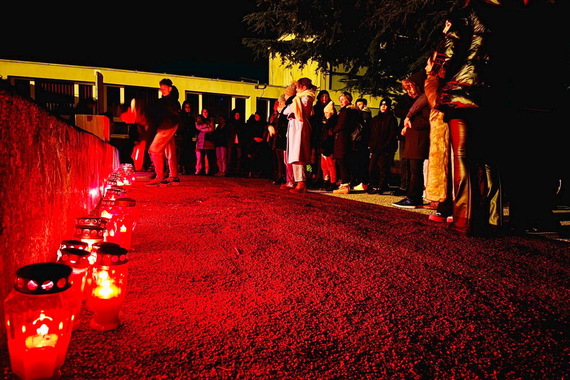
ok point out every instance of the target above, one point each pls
(360, 147)
(205, 149)
(235, 127)
(185, 140)
(401, 108)
(416, 130)
(220, 137)
(439, 186)
(326, 147)
(464, 64)
(164, 116)
(278, 173)
(299, 132)
(322, 100)
(383, 143)
(347, 122)
(281, 136)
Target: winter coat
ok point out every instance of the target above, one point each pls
(462, 60)
(204, 133)
(417, 137)
(282, 124)
(164, 114)
(383, 133)
(348, 119)
(326, 144)
(401, 108)
(235, 130)
(299, 127)
(220, 135)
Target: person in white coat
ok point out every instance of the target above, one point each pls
(299, 132)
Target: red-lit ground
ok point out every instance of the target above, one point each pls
(235, 279)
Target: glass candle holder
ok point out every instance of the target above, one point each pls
(39, 316)
(108, 287)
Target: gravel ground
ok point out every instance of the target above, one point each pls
(232, 278)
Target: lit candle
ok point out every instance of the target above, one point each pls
(108, 287)
(39, 315)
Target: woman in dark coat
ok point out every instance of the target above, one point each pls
(348, 119)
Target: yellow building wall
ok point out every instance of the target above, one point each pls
(280, 76)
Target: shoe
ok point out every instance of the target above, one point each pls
(440, 218)
(170, 181)
(343, 189)
(374, 190)
(360, 187)
(405, 203)
(298, 189)
(287, 186)
(328, 186)
(155, 182)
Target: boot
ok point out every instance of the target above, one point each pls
(300, 188)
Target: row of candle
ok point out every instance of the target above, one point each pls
(90, 270)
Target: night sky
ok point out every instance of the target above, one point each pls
(201, 39)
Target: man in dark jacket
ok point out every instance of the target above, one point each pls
(416, 130)
(164, 117)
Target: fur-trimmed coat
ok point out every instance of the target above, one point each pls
(299, 127)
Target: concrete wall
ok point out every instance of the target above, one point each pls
(50, 173)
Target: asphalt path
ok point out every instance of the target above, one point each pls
(232, 278)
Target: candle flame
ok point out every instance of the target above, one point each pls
(106, 288)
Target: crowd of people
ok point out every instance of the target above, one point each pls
(452, 126)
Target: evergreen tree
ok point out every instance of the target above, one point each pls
(377, 43)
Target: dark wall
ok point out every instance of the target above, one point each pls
(50, 173)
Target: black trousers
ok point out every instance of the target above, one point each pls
(379, 169)
(416, 184)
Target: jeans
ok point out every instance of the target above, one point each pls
(163, 146)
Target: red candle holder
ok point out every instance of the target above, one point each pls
(79, 261)
(108, 287)
(89, 234)
(114, 192)
(122, 223)
(39, 315)
(72, 244)
(125, 175)
(106, 246)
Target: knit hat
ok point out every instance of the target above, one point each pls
(166, 82)
(330, 107)
(386, 101)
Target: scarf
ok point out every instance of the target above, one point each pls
(297, 107)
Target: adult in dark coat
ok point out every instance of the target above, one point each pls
(382, 144)
(348, 119)
(416, 130)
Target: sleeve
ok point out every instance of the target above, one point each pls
(452, 48)
(418, 106)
